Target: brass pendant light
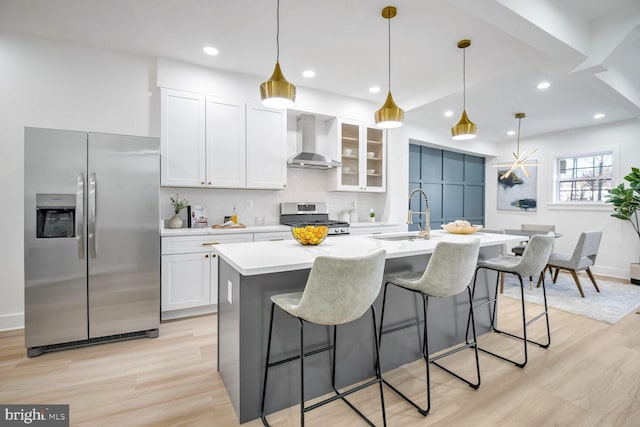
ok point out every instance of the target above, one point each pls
(465, 128)
(520, 158)
(389, 115)
(277, 92)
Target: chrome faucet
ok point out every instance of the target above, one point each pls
(426, 233)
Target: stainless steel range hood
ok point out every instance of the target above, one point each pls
(309, 156)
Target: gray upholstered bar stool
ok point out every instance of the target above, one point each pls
(338, 291)
(531, 263)
(448, 273)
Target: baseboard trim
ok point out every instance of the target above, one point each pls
(618, 273)
(188, 312)
(10, 322)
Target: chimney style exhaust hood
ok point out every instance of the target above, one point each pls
(309, 157)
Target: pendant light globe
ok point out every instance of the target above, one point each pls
(389, 115)
(277, 92)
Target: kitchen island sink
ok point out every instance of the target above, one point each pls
(250, 273)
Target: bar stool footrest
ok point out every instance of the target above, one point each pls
(423, 412)
(434, 360)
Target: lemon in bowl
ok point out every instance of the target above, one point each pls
(309, 234)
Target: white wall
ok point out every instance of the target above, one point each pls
(57, 85)
(619, 245)
(54, 85)
(302, 184)
(398, 156)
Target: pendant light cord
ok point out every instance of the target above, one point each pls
(518, 142)
(278, 32)
(389, 51)
(464, 80)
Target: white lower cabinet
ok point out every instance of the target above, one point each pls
(189, 279)
(185, 281)
(272, 236)
(377, 229)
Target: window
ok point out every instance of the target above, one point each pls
(584, 178)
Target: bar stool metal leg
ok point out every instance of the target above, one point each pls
(473, 344)
(266, 368)
(338, 395)
(525, 323)
(425, 349)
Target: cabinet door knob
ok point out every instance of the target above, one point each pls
(209, 183)
(206, 256)
(201, 182)
(213, 255)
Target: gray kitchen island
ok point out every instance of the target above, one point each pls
(250, 273)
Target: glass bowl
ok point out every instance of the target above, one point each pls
(309, 234)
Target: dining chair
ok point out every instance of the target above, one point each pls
(448, 273)
(519, 249)
(338, 291)
(583, 256)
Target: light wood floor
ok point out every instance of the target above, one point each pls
(590, 376)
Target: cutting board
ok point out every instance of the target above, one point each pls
(238, 225)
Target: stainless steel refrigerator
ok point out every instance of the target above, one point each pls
(91, 240)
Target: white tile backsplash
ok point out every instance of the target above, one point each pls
(302, 185)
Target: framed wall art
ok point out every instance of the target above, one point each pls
(517, 192)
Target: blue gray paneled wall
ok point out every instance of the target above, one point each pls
(454, 183)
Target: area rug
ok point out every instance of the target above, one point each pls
(612, 303)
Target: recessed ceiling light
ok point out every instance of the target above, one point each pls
(308, 74)
(511, 132)
(448, 113)
(374, 89)
(209, 50)
(543, 85)
(598, 115)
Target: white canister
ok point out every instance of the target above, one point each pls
(353, 217)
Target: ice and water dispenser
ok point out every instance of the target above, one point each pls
(55, 215)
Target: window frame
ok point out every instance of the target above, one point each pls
(555, 158)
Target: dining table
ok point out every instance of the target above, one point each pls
(529, 233)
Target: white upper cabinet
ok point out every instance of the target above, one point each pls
(362, 151)
(221, 143)
(183, 139)
(226, 147)
(266, 148)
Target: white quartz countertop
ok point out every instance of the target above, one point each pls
(205, 231)
(373, 224)
(251, 229)
(287, 255)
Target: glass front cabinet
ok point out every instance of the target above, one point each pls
(362, 151)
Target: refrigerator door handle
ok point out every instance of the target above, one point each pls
(80, 215)
(92, 215)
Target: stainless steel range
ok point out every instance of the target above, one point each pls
(311, 213)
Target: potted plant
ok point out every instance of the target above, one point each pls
(177, 204)
(372, 215)
(626, 203)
